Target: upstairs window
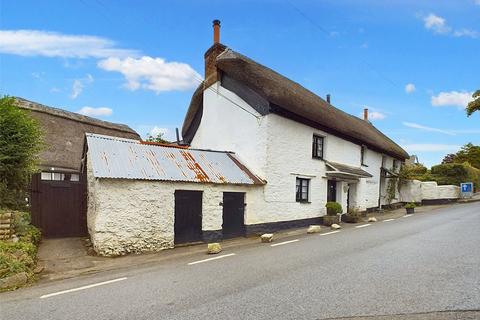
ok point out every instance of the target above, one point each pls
(395, 165)
(302, 189)
(363, 155)
(317, 147)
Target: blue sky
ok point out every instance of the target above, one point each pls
(414, 64)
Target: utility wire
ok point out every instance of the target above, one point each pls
(323, 30)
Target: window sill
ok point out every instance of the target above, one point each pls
(304, 202)
(318, 158)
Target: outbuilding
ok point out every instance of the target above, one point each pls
(147, 197)
(58, 191)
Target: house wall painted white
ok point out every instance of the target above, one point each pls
(225, 126)
(126, 216)
(279, 150)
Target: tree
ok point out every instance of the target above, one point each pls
(20, 145)
(158, 138)
(474, 105)
(468, 153)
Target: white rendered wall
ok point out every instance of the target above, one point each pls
(227, 127)
(416, 191)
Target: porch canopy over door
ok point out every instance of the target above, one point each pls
(339, 171)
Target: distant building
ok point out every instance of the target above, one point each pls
(58, 193)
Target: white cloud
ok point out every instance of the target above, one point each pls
(410, 88)
(452, 98)
(155, 131)
(52, 44)
(439, 25)
(375, 115)
(431, 147)
(425, 128)
(96, 112)
(153, 73)
(54, 90)
(79, 84)
(466, 33)
(477, 2)
(436, 23)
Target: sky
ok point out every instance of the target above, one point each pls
(413, 64)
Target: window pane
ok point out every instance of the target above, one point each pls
(58, 176)
(74, 177)
(46, 176)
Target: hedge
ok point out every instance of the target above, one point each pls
(451, 174)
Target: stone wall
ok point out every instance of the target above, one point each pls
(417, 191)
(6, 226)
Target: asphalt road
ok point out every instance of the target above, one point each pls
(410, 267)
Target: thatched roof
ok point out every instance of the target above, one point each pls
(64, 133)
(290, 99)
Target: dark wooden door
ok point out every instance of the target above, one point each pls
(188, 216)
(332, 190)
(233, 214)
(59, 207)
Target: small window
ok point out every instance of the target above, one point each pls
(317, 147)
(363, 154)
(395, 165)
(302, 190)
(74, 177)
(384, 161)
(46, 176)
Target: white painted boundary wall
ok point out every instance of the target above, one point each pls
(416, 191)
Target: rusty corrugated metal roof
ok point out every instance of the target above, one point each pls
(119, 158)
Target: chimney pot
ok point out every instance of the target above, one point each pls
(365, 114)
(216, 31)
(328, 98)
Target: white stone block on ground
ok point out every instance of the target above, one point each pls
(314, 229)
(372, 219)
(267, 237)
(214, 248)
(335, 226)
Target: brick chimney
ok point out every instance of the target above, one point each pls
(212, 74)
(328, 98)
(365, 114)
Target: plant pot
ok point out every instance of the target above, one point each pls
(328, 220)
(410, 210)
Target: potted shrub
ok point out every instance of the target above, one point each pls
(333, 209)
(410, 207)
(352, 216)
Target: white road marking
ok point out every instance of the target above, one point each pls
(331, 232)
(388, 220)
(407, 215)
(364, 225)
(282, 243)
(210, 259)
(82, 288)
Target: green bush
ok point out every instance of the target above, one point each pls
(410, 205)
(23, 228)
(333, 208)
(18, 247)
(10, 264)
(451, 173)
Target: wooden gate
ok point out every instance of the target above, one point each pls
(233, 214)
(59, 206)
(188, 216)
